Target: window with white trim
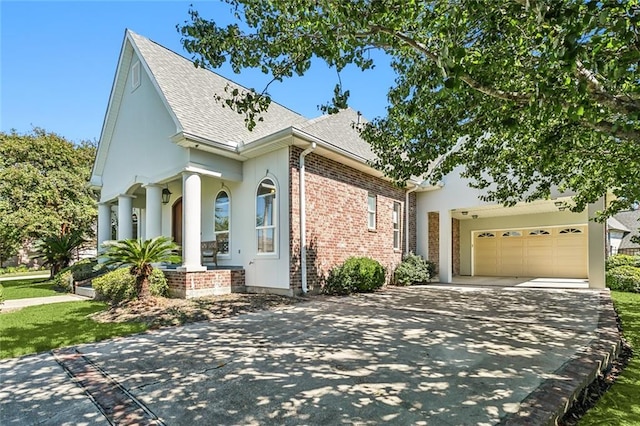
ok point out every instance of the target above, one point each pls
(222, 217)
(371, 211)
(397, 219)
(135, 75)
(266, 217)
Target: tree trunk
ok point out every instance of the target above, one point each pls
(142, 284)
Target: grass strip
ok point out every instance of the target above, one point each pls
(620, 404)
(26, 289)
(44, 327)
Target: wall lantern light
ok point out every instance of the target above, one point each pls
(166, 195)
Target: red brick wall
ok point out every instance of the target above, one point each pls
(455, 235)
(336, 197)
(180, 282)
(433, 219)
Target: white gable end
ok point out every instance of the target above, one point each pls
(139, 147)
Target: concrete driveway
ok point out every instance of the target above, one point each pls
(419, 355)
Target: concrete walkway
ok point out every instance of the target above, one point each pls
(44, 274)
(419, 355)
(10, 305)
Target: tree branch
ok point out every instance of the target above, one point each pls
(516, 97)
(617, 132)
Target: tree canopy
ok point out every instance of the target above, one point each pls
(526, 95)
(43, 190)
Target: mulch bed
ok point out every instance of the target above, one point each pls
(158, 312)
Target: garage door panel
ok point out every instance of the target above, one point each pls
(538, 252)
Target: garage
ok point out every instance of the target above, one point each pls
(560, 251)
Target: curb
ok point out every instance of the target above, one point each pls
(554, 397)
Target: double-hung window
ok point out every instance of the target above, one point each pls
(397, 220)
(371, 211)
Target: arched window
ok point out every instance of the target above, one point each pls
(266, 218)
(221, 222)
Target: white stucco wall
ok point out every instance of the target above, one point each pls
(140, 147)
(457, 195)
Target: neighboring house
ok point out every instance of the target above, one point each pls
(173, 161)
(621, 228)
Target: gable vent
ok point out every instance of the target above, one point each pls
(135, 75)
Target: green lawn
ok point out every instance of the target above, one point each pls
(23, 289)
(41, 328)
(620, 405)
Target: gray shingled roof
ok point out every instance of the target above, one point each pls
(338, 130)
(190, 93)
(629, 219)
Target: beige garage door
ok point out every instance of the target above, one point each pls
(536, 252)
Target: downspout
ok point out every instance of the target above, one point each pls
(406, 219)
(303, 218)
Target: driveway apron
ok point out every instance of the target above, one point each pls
(419, 355)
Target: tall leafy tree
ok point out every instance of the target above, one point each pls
(43, 190)
(525, 94)
(139, 256)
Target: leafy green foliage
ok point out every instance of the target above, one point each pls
(119, 285)
(139, 255)
(43, 189)
(414, 270)
(526, 95)
(45, 327)
(622, 260)
(57, 251)
(64, 280)
(624, 278)
(356, 274)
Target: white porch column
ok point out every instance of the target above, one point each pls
(191, 204)
(125, 210)
(445, 250)
(153, 213)
(104, 224)
(597, 243)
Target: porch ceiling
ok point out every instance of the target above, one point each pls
(497, 210)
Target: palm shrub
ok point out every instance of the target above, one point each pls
(414, 270)
(57, 251)
(119, 285)
(356, 274)
(139, 255)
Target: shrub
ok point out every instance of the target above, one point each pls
(64, 280)
(622, 260)
(356, 274)
(86, 269)
(624, 278)
(158, 285)
(414, 270)
(119, 285)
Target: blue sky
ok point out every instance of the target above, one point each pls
(58, 60)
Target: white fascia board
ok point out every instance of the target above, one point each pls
(188, 140)
(202, 171)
